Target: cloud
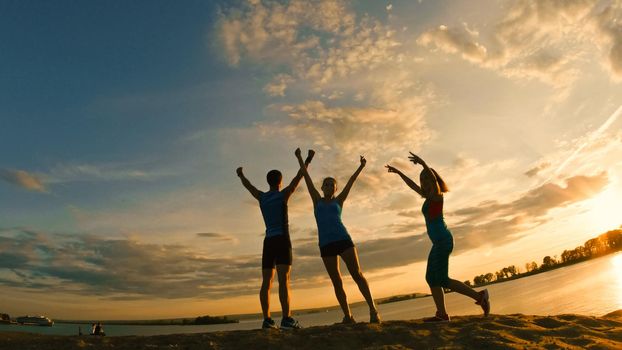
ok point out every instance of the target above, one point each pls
(63, 173)
(122, 269)
(23, 179)
(538, 168)
(538, 202)
(541, 39)
(460, 40)
(317, 41)
(314, 50)
(218, 236)
(278, 85)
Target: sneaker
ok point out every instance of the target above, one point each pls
(484, 301)
(290, 323)
(268, 323)
(348, 320)
(438, 318)
(374, 317)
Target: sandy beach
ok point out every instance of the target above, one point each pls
(463, 332)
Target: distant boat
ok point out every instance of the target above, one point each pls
(34, 321)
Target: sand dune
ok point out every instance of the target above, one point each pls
(464, 332)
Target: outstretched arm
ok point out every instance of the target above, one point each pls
(315, 195)
(254, 191)
(406, 179)
(346, 189)
(296, 180)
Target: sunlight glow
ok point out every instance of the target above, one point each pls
(604, 211)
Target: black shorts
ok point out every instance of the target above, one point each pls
(277, 250)
(336, 248)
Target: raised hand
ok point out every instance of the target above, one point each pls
(391, 169)
(297, 153)
(363, 161)
(415, 158)
(310, 154)
(239, 171)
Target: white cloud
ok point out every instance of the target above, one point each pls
(318, 41)
(459, 40)
(537, 39)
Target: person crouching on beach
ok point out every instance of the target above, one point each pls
(277, 246)
(335, 241)
(432, 189)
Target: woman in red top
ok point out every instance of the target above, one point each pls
(432, 189)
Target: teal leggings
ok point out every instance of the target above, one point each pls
(437, 272)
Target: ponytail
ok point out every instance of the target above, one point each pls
(439, 180)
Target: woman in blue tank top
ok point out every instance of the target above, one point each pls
(437, 276)
(335, 241)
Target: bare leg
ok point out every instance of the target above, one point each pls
(350, 257)
(463, 289)
(283, 275)
(331, 263)
(439, 299)
(264, 292)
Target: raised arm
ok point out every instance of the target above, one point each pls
(406, 179)
(346, 189)
(435, 192)
(296, 180)
(415, 159)
(254, 191)
(315, 195)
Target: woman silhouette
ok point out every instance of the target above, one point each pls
(334, 239)
(432, 189)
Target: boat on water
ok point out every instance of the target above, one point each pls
(34, 321)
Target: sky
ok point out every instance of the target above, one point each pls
(122, 124)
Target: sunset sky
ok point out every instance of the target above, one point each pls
(122, 124)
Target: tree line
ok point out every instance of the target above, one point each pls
(606, 243)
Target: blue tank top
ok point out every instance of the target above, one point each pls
(435, 222)
(274, 210)
(329, 226)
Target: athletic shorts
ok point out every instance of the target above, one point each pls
(277, 250)
(437, 272)
(336, 248)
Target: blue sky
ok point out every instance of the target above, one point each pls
(121, 126)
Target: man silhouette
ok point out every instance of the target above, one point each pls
(277, 246)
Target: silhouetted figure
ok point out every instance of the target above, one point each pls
(335, 241)
(437, 276)
(98, 329)
(79, 330)
(277, 246)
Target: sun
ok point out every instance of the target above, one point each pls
(604, 210)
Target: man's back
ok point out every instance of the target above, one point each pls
(273, 206)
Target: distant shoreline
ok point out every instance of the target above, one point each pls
(185, 321)
(547, 269)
